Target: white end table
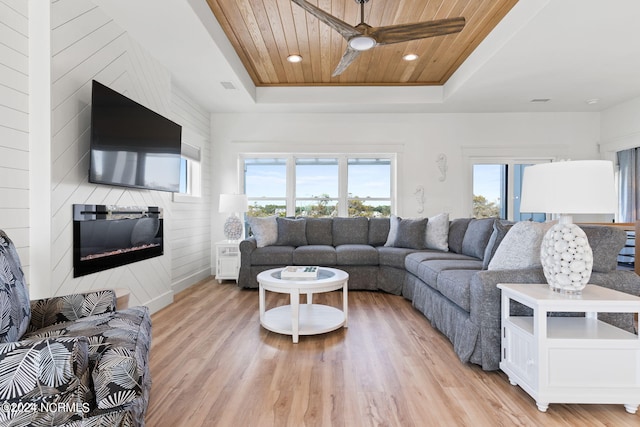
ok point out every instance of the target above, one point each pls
(227, 260)
(571, 359)
(303, 319)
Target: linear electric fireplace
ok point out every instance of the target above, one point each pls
(107, 236)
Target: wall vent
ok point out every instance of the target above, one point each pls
(228, 85)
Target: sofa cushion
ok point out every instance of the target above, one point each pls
(356, 255)
(457, 229)
(456, 286)
(15, 307)
(315, 255)
(437, 235)
(428, 271)
(378, 231)
(350, 231)
(264, 229)
(500, 229)
(413, 260)
(606, 243)
(319, 231)
(411, 233)
(392, 257)
(291, 232)
(273, 255)
(520, 247)
(477, 236)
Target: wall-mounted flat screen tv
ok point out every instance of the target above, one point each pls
(131, 145)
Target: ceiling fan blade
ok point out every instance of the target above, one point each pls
(346, 30)
(348, 57)
(420, 30)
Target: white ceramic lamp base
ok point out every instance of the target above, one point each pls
(567, 258)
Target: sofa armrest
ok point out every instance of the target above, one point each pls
(247, 247)
(486, 304)
(47, 311)
(42, 372)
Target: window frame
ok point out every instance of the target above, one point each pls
(510, 162)
(342, 158)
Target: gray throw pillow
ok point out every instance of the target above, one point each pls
(437, 235)
(500, 230)
(291, 232)
(520, 248)
(411, 233)
(264, 229)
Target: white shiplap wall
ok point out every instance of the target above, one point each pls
(14, 124)
(86, 44)
(191, 243)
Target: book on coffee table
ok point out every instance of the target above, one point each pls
(300, 272)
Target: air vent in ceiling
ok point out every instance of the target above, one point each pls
(228, 85)
(540, 100)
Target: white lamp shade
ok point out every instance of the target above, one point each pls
(571, 187)
(233, 203)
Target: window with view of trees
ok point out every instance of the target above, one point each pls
(497, 188)
(319, 186)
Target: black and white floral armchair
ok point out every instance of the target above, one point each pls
(71, 360)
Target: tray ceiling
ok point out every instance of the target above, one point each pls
(265, 32)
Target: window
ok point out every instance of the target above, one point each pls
(497, 188)
(319, 186)
(190, 173)
(369, 187)
(265, 184)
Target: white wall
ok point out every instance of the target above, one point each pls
(86, 44)
(417, 139)
(14, 124)
(621, 127)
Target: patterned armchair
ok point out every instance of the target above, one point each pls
(70, 360)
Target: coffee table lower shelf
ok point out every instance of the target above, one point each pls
(312, 319)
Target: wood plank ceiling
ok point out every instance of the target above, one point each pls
(265, 32)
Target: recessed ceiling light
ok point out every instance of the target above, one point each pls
(294, 58)
(410, 57)
(592, 101)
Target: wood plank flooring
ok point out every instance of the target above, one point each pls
(213, 365)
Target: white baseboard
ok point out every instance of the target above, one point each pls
(160, 301)
(191, 280)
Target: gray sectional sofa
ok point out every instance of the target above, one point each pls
(453, 285)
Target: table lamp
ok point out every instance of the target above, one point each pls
(233, 204)
(566, 188)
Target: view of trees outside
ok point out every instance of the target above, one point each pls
(482, 208)
(317, 187)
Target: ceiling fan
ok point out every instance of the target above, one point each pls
(364, 37)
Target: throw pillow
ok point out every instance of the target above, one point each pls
(393, 230)
(520, 247)
(500, 230)
(264, 229)
(477, 236)
(411, 233)
(291, 232)
(437, 235)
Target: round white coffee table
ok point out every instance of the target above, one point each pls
(303, 319)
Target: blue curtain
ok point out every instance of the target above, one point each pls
(628, 207)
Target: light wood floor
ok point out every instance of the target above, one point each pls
(213, 365)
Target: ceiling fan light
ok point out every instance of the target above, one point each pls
(362, 42)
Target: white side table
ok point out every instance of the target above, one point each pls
(227, 260)
(571, 359)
